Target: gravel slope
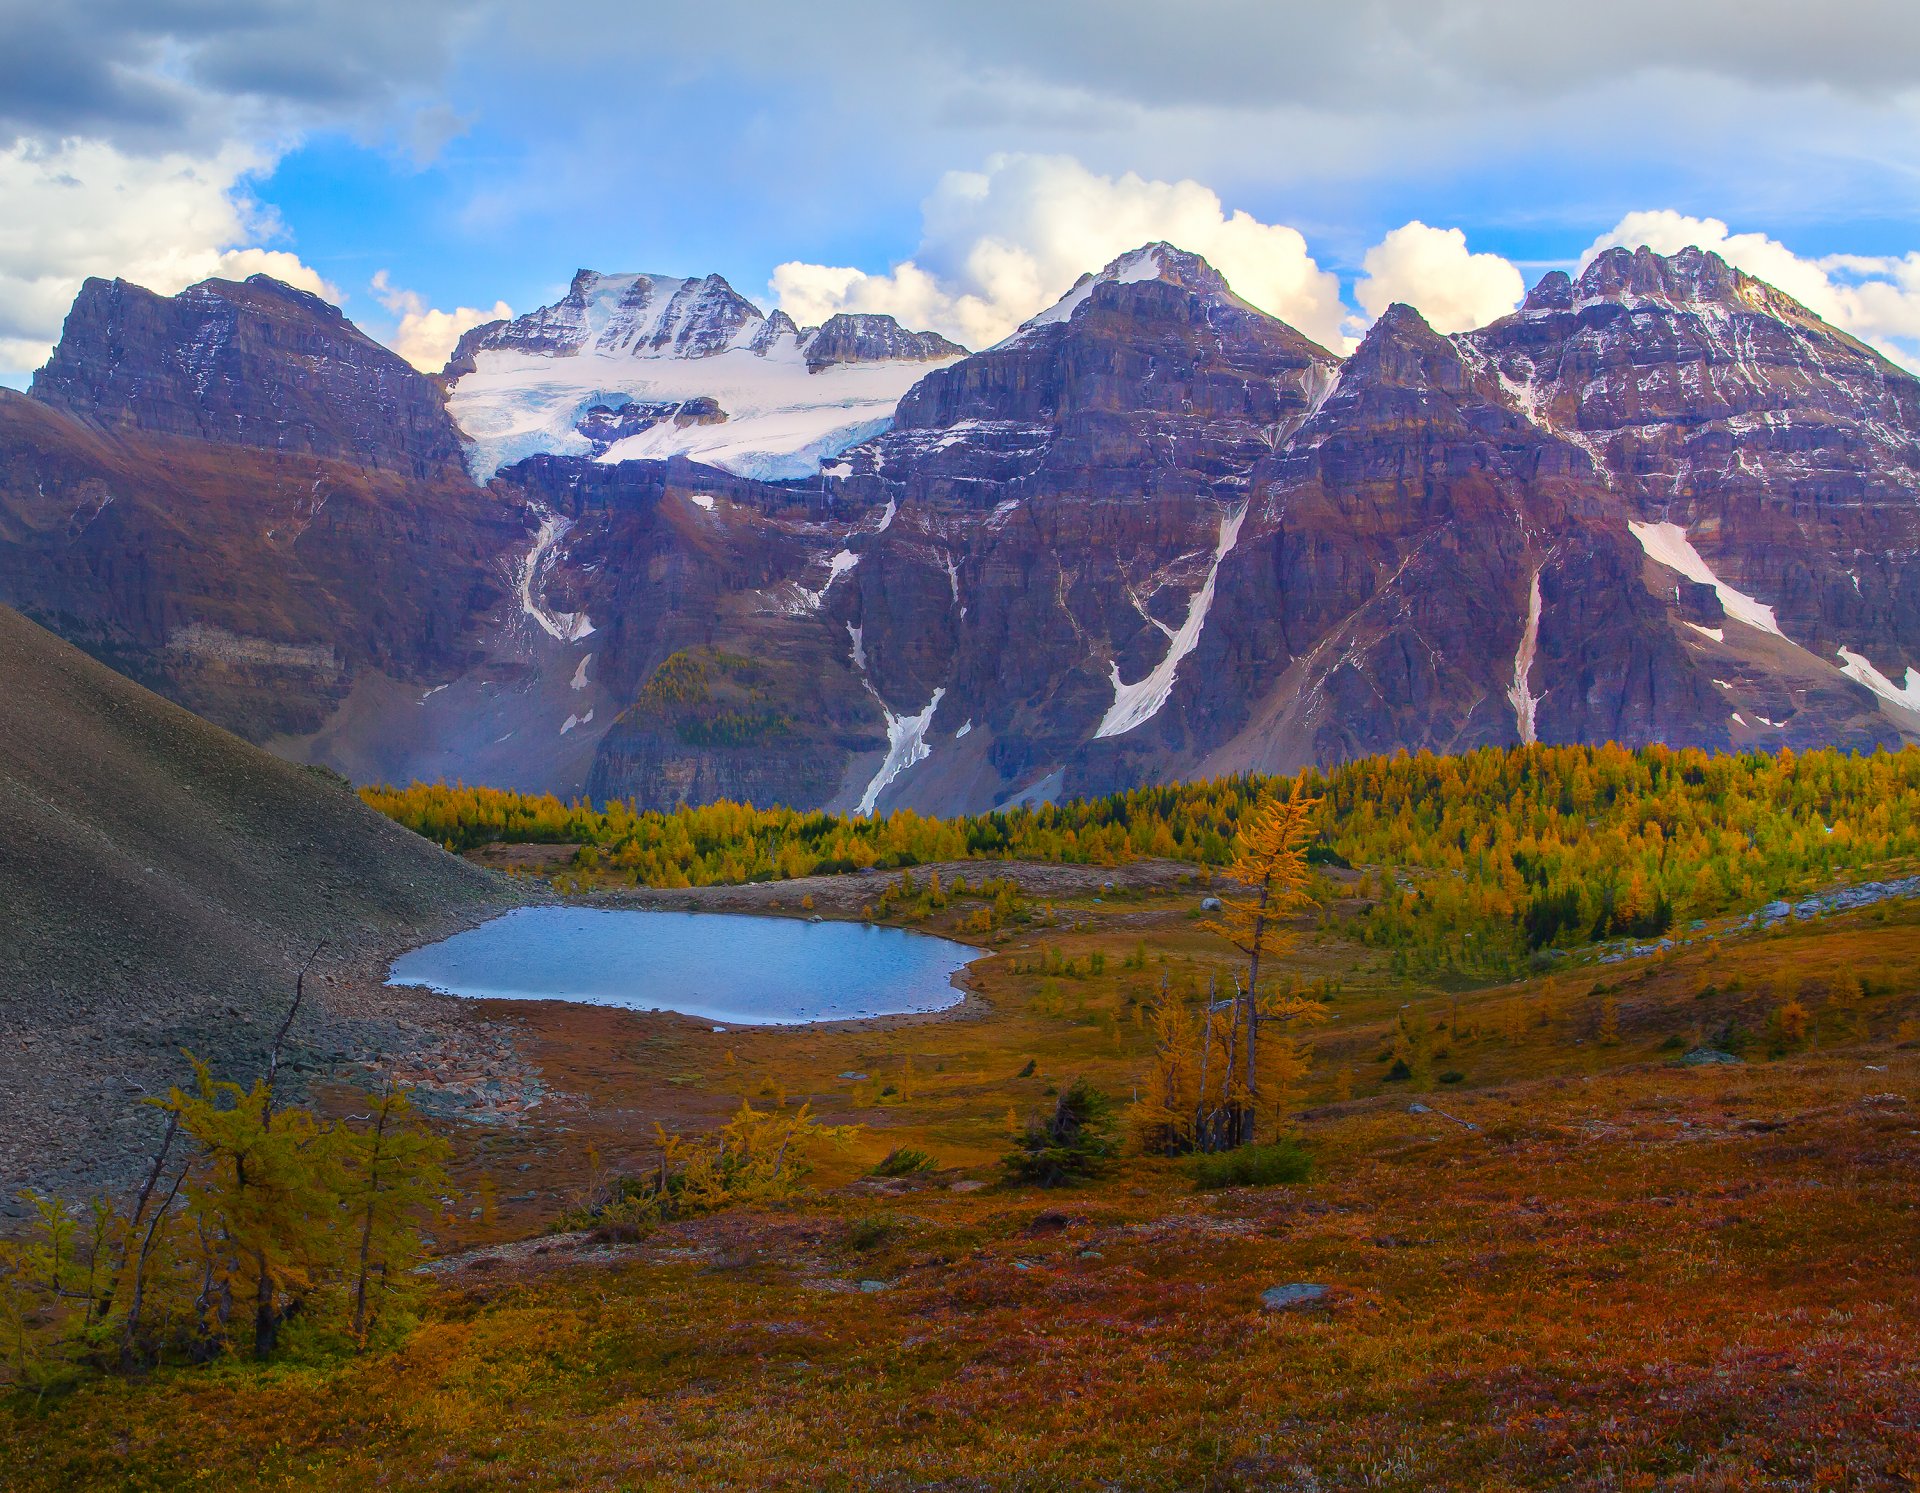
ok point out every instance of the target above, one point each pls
(160, 882)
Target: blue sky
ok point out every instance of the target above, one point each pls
(478, 151)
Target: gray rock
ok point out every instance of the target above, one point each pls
(1292, 1297)
(1209, 904)
(1706, 1057)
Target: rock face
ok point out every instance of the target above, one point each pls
(255, 364)
(238, 499)
(1769, 463)
(849, 338)
(1156, 533)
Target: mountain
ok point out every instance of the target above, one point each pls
(236, 497)
(627, 367)
(162, 882)
(256, 364)
(1155, 533)
(1757, 453)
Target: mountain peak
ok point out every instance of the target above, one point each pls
(871, 337)
(1154, 261)
(1692, 276)
(252, 362)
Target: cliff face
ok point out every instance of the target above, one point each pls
(255, 364)
(1155, 533)
(1784, 455)
(236, 497)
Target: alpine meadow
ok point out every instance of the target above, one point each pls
(1145, 750)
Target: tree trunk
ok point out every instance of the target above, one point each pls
(266, 1319)
(366, 1227)
(1246, 1128)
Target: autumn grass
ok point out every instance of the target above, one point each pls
(1626, 1273)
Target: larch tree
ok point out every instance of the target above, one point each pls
(1269, 881)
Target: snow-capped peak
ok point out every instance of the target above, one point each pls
(1156, 261)
(633, 366)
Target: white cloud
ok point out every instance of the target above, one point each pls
(1875, 298)
(84, 208)
(1001, 244)
(1431, 270)
(425, 337)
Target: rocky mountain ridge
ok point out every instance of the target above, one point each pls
(1155, 533)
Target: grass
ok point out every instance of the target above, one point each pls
(1581, 1265)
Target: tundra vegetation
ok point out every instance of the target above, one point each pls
(1579, 1216)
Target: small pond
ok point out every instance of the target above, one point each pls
(750, 971)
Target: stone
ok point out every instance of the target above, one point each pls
(1299, 1295)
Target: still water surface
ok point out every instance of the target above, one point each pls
(752, 971)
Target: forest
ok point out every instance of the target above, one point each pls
(1476, 862)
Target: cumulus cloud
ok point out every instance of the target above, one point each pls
(999, 245)
(163, 221)
(425, 337)
(1432, 270)
(1876, 298)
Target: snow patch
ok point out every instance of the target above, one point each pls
(568, 627)
(963, 730)
(1855, 666)
(906, 745)
(1525, 702)
(1718, 634)
(781, 421)
(576, 720)
(702, 500)
(1667, 543)
(579, 680)
(1135, 704)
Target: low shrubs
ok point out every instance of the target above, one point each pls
(904, 1161)
(1271, 1165)
(758, 1156)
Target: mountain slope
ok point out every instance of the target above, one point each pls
(161, 884)
(1154, 533)
(1768, 463)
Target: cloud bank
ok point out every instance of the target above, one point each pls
(1432, 270)
(998, 245)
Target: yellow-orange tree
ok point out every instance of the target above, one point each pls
(1270, 883)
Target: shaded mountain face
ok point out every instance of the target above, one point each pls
(236, 497)
(255, 364)
(614, 367)
(1155, 533)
